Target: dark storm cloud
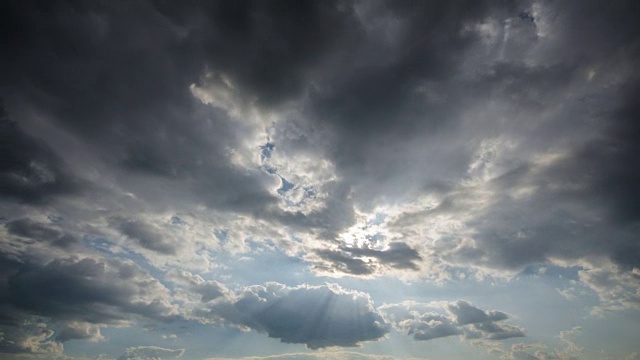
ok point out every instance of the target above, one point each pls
(617, 179)
(269, 49)
(380, 101)
(30, 171)
(117, 77)
(596, 30)
(86, 290)
(583, 198)
(564, 90)
(319, 317)
(41, 285)
(380, 94)
(31, 230)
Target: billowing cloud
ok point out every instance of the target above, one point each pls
(35, 231)
(206, 290)
(90, 290)
(30, 337)
(465, 313)
(317, 316)
(80, 330)
(438, 320)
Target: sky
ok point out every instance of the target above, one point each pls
(342, 180)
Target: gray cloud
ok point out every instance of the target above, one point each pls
(31, 230)
(30, 170)
(146, 235)
(428, 321)
(343, 263)
(465, 313)
(80, 330)
(367, 261)
(396, 123)
(318, 317)
(31, 337)
(399, 255)
(89, 290)
(208, 290)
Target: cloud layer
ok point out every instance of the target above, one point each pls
(161, 160)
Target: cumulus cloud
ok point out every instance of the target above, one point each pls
(89, 290)
(207, 290)
(438, 320)
(32, 338)
(80, 330)
(81, 295)
(465, 313)
(317, 316)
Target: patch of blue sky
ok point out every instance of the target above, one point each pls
(267, 150)
(176, 220)
(222, 235)
(403, 346)
(205, 341)
(551, 271)
(142, 333)
(623, 324)
(286, 186)
(55, 218)
(268, 265)
(98, 243)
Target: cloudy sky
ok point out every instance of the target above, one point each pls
(342, 180)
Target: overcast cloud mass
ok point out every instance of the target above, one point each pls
(320, 180)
